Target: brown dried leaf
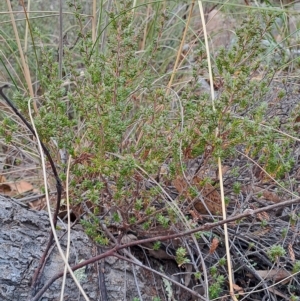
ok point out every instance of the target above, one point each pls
(237, 288)
(195, 215)
(15, 188)
(274, 275)
(271, 196)
(261, 232)
(127, 238)
(297, 119)
(214, 245)
(209, 193)
(22, 187)
(83, 158)
(145, 154)
(2, 179)
(266, 194)
(225, 168)
(263, 216)
(291, 252)
(211, 197)
(188, 274)
(180, 185)
(278, 293)
(6, 189)
(38, 204)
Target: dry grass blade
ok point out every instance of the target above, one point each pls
(24, 64)
(69, 228)
(179, 52)
(230, 276)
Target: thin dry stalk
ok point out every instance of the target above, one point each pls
(60, 51)
(145, 29)
(69, 229)
(26, 31)
(26, 71)
(229, 266)
(179, 52)
(94, 25)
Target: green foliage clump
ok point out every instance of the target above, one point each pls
(294, 298)
(275, 252)
(181, 258)
(296, 267)
(215, 288)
